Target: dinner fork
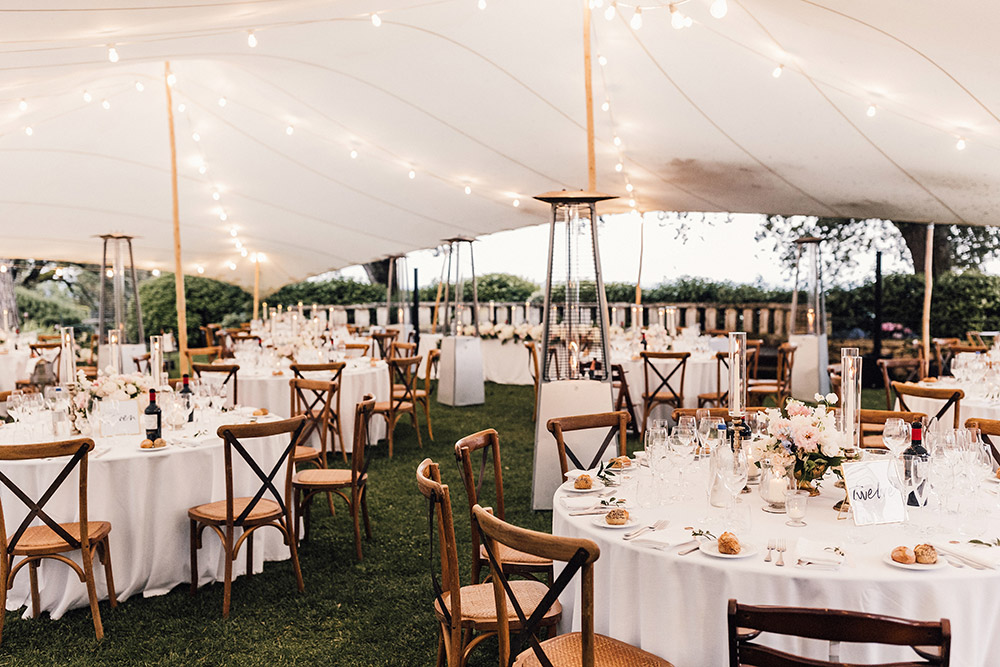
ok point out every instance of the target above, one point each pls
(770, 548)
(659, 525)
(781, 552)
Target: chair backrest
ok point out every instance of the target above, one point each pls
(313, 400)
(384, 340)
(354, 350)
(487, 442)
(712, 412)
(836, 384)
(404, 371)
(231, 371)
(232, 436)
(432, 361)
(617, 422)
(834, 626)
(987, 428)
(209, 335)
(141, 362)
(951, 397)
(398, 349)
(942, 353)
(48, 338)
(213, 352)
(4, 395)
(974, 338)
(578, 554)
(959, 348)
(333, 369)
(913, 370)
(722, 373)
(664, 380)
(786, 361)
(362, 452)
(42, 350)
(440, 522)
(77, 449)
(754, 344)
(876, 417)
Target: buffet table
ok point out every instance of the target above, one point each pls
(145, 494)
(675, 606)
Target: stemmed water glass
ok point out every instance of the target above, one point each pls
(731, 467)
(896, 435)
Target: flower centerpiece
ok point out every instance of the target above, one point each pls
(113, 386)
(804, 440)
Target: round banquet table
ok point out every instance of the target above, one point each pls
(676, 606)
(13, 366)
(145, 494)
(699, 378)
(969, 408)
(258, 387)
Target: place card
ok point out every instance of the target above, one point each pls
(873, 496)
(120, 418)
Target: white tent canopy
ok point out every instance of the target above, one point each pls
(490, 99)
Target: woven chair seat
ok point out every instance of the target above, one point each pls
(565, 651)
(479, 605)
(769, 388)
(872, 441)
(264, 510)
(325, 477)
(511, 556)
(386, 406)
(712, 396)
(664, 396)
(303, 453)
(416, 393)
(42, 539)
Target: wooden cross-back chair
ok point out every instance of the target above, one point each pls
(402, 371)
(307, 400)
(930, 640)
(712, 412)
(911, 370)
(837, 385)
(400, 349)
(354, 350)
(623, 397)
(230, 371)
(585, 648)
(942, 353)
(720, 397)
(48, 338)
(209, 332)
(307, 483)
(616, 422)
(142, 363)
(54, 540)
(873, 422)
(671, 396)
(533, 369)
(781, 388)
(423, 396)
(488, 444)
(312, 400)
(42, 349)
(989, 429)
(754, 344)
(466, 614)
(243, 336)
(951, 397)
(975, 338)
(383, 340)
(249, 513)
(213, 352)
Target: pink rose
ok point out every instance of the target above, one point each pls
(798, 410)
(807, 439)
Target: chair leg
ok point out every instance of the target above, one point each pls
(390, 425)
(227, 584)
(33, 576)
(194, 556)
(645, 414)
(249, 541)
(104, 553)
(88, 572)
(293, 548)
(340, 436)
(416, 426)
(427, 413)
(364, 511)
(355, 512)
(329, 500)
(3, 594)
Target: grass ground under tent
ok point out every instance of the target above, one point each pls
(376, 612)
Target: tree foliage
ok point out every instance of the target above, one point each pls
(207, 300)
(336, 291)
(40, 311)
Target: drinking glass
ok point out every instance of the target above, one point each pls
(731, 466)
(687, 421)
(796, 502)
(896, 435)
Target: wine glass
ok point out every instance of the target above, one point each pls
(896, 435)
(731, 466)
(688, 421)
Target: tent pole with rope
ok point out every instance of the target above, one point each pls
(182, 338)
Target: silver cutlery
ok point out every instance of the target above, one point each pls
(770, 548)
(600, 510)
(659, 525)
(781, 548)
(975, 565)
(818, 566)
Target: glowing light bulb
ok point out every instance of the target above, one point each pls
(105, 104)
(516, 203)
(261, 257)
(412, 174)
(960, 144)
(481, 4)
(619, 166)
(202, 169)
(181, 108)
(617, 140)
(3, 268)
(110, 273)
(676, 18)
(232, 266)
(289, 130)
(216, 195)
(609, 13)
(223, 216)
(688, 21)
(87, 97)
(22, 105)
(196, 136)
(636, 21)
(112, 53)
(777, 71)
(631, 203)
(238, 244)
(171, 79)
(243, 252)
(376, 20)
(29, 131)
(354, 155)
(251, 39)
(719, 8)
(156, 273)
(233, 232)
(139, 87)
(468, 190)
(629, 187)
(872, 110)
(222, 101)
(606, 106)
(602, 60)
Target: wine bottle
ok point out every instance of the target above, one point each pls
(645, 344)
(916, 448)
(186, 393)
(152, 418)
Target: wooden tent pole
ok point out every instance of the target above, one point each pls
(642, 244)
(591, 160)
(182, 337)
(256, 286)
(928, 287)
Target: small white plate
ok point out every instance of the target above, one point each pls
(601, 523)
(711, 548)
(152, 449)
(917, 567)
(568, 486)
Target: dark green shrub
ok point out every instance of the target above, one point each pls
(337, 291)
(207, 301)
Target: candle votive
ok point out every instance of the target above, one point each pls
(796, 502)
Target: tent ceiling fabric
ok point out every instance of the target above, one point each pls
(490, 99)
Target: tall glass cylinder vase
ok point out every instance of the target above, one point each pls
(115, 350)
(67, 356)
(156, 360)
(671, 320)
(851, 406)
(737, 373)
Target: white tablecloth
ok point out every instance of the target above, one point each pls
(12, 368)
(145, 494)
(262, 389)
(506, 363)
(969, 408)
(675, 606)
(698, 379)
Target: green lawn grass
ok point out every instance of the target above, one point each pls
(376, 612)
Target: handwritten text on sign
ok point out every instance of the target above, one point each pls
(119, 417)
(874, 498)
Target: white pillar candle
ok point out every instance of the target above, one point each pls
(67, 355)
(774, 490)
(115, 349)
(737, 373)
(156, 360)
(671, 316)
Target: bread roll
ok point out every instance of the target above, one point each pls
(583, 482)
(146, 444)
(260, 412)
(925, 554)
(903, 555)
(729, 544)
(617, 517)
(620, 462)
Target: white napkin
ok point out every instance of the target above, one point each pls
(977, 553)
(660, 538)
(821, 553)
(579, 503)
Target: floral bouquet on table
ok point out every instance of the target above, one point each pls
(113, 386)
(804, 440)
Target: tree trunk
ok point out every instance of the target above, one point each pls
(915, 236)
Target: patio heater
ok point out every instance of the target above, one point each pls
(460, 378)
(397, 297)
(575, 371)
(808, 322)
(113, 310)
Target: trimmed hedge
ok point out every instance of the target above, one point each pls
(207, 301)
